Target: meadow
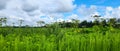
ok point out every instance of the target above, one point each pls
(59, 25)
(59, 39)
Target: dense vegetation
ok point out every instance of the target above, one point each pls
(66, 36)
(98, 21)
(59, 39)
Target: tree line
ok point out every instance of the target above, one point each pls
(98, 21)
(103, 23)
(109, 22)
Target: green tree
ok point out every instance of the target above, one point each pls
(96, 21)
(75, 23)
(21, 22)
(103, 22)
(40, 23)
(83, 23)
(1, 19)
(5, 21)
(112, 22)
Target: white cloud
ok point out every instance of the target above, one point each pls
(109, 8)
(51, 10)
(106, 12)
(32, 10)
(3, 4)
(73, 16)
(85, 11)
(60, 20)
(111, 12)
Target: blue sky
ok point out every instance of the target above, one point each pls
(113, 3)
(49, 11)
(102, 7)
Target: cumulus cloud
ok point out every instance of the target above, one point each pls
(105, 12)
(111, 12)
(85, 11)
(3, 4)
(73, 16)
(32, 10)
(58, 6)
(29, 8)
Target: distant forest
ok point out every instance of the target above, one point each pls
(98, 21)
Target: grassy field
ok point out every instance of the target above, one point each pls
(59, 39)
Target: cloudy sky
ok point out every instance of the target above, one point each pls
(49, 11)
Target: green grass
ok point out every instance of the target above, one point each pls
(60, 39)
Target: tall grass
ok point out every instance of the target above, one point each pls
(58, 39)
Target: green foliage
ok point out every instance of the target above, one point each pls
(3, 20)
(75, 23)
(55, 38)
